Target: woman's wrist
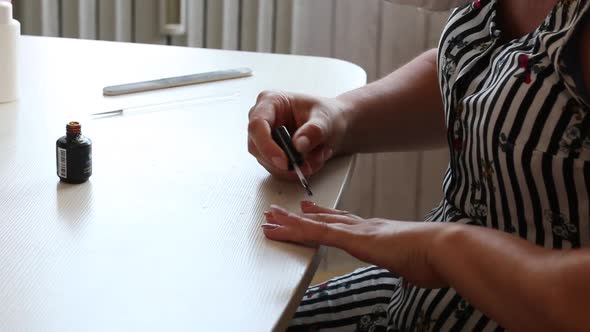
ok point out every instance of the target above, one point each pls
(351, 106)
(444, 240)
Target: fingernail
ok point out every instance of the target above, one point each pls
(269, 226)
(279, 210)
(328, 154)
(302, 144)
(268, 214)
(307, 204)
(279, 163)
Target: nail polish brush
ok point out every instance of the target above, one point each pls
(282, 137)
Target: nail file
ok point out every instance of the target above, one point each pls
(170, 82)
(282, 137)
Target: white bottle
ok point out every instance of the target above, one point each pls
(9, 35)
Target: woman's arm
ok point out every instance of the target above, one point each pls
(401, 112)
(522, 286)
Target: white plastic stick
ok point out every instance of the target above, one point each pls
(170, 82)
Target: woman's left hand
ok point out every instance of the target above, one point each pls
(402, 247)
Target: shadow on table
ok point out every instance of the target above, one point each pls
(74, 202)
(287, 194)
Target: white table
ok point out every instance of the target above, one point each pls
(165, 236)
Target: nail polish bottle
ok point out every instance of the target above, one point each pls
(74, 155)
(9, 37)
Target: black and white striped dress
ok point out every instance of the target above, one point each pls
(519, 141)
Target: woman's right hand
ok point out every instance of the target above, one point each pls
(317, 126)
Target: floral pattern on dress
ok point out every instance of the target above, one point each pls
(424, 323)
(463, 310)
(576, 137)
(475, 5)
(560, 226)
(448, 67)
(376, 321)
(504, 145)
(457, 129)
(320, 290)
(487, 174)
(478, 210)
(530, 66)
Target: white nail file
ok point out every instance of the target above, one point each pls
(170, 82)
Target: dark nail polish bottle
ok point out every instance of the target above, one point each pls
(74, 155)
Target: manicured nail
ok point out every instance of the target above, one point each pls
(279, 163)
(269, 226)
(279, 210)
(302, 144)
(307, 204)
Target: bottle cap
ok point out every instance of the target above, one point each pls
(73, 128)
(5, 12)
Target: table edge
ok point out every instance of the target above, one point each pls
(283, 321)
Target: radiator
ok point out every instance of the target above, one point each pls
(251, 25)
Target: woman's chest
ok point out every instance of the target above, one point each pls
(519, 103)
(510, 95)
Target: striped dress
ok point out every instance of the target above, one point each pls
(519, 142)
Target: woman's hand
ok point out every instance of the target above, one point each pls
(317, 124)
(399, 246)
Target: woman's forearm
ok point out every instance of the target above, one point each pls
(401, 112)
(518, 284)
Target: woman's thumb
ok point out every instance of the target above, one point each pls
(310, 135)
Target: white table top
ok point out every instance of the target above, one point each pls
(165, 236)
